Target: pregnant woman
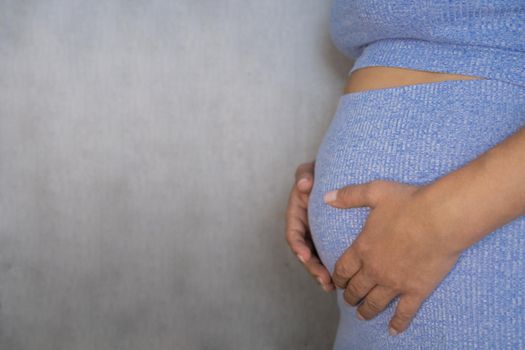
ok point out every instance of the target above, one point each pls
(414, 209)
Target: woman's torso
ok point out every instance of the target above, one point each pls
(404, 118)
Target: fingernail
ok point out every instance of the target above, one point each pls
(302, 181)
(359, 316)
(330, 196)
(320, 281)
(392, 331)
(301, 258)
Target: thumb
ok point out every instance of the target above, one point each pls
(359, 195)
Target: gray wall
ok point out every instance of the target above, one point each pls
(147, 149)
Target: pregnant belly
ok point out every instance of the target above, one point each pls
(415, 134)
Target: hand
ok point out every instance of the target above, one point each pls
(297, 230)
(398, 251)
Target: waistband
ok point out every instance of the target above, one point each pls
(488, 62)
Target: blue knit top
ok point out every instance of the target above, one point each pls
(483, 38)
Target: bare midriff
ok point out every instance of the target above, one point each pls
(380, 77)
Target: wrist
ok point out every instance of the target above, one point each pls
(442, 220)
(469, 203)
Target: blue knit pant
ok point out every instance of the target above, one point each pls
(415, 134)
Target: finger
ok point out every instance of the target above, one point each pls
(304, 176)
(345, 267)
(296, 228)
(298, 245)
(316, 268)
(405, 311)
(366, 194)
(359, 286)
(320, 273)
(376, 301)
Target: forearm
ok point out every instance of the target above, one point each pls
(474, 200)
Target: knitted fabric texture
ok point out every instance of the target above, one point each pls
(483, 38)
(415, 134)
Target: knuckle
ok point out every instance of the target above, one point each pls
(340, 270)
(349, 298)
(340, 281)
(420, 291)
(287, 232)
(373, 190)
(395, 283)
(346, 298)
(290, 212)
(354, 288)
(360, 247)
(296, 244)
(344, 192)
(290, 235)
(414, 288)
(373, 270)
(373, 305)
(289, 241)
(403, 317)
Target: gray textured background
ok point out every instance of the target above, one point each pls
(147, 149)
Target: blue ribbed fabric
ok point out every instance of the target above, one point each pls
(479, 37)
(415, 134)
